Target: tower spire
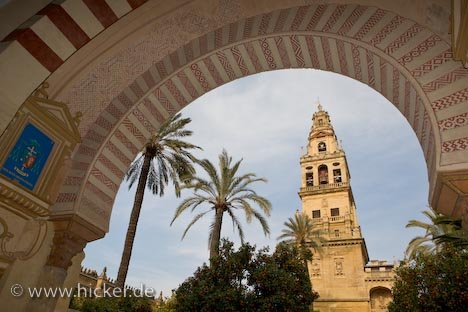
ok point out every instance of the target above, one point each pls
(321, 127)
(319, 105)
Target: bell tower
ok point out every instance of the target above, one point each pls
(337, 271)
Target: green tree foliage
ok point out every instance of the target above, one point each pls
(115, 304)
(432, 282)
(165, 157)
(224, 192)
(246, 280)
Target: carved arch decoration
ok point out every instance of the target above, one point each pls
(406, 62)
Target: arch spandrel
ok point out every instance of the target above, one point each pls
(406, 62)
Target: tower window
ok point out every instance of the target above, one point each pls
(315, 214)
(323, 174)
(337, 233)
(309, 178)
(337, 175)
(320, 122)
(335, 212)
(322, 147)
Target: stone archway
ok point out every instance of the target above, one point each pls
(407, 63)
(404, 60)
(137, 64)
(380, 297)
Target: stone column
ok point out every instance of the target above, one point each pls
(70, 282)
(65, 246)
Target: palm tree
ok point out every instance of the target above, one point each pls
(164, 157)
(439, 230)
(457, 236)
(224, 192)
(300, 231)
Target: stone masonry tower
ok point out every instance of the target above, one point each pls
(338, 271)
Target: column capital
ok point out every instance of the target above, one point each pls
(65, 246)
(72, 233)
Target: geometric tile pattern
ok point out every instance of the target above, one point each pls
(407, 63)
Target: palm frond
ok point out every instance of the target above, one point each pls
(300, 230)
(440, 230)
(194, 220)
(263, 222)
(191, 202)
(237, 224)
(217, 191)
(133, 172)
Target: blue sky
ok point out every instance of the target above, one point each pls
(265, 119)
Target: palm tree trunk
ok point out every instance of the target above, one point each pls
(216, 237)
(132, 225)
(304, 251)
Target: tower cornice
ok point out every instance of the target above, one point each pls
(324, 156)
(324, 189)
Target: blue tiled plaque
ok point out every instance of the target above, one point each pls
(28, 157)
